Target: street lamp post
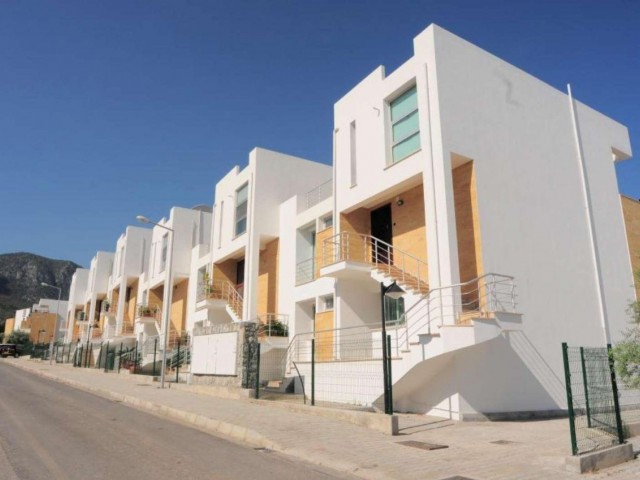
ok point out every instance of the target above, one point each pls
(395, 292)
(55, 324)
(167, 297)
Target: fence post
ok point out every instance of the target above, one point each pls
(86, 360)
(572, 418)
(247, 347)
(258, 373)
(178, 363)
(106, 359)
(135, 358)
(155, 346)
(586, 388)
(389, 376)
(313, 371)
(120, 357)
(614, 387)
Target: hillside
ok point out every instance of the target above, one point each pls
(21, 275)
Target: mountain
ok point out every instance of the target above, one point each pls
(21, 275)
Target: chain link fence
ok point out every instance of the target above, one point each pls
(344, 368)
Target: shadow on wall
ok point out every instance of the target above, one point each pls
(506, 374)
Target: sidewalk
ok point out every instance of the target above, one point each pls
(525, 450)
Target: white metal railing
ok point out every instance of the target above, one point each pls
(109, 331)
(221, 290)
(456, 304)
(273, 325)
(408, 270)
(305, 271)
(318, 194)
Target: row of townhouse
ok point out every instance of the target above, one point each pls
(489, 197)
(39, 321)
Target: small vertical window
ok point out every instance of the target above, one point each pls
(326, 222)
(405, 131)
(163, 257)
(242, 196)
(352, 140)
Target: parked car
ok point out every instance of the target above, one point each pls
(8, 350)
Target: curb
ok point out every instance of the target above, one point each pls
(206, 424)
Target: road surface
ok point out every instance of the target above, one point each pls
(52, 431)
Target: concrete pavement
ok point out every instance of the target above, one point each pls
(483, 450)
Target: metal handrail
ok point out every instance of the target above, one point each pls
(305, 271)
(149, 311)
(318, 194)
(406, 268)
(273, 325)
(489, 293)
(221, 290)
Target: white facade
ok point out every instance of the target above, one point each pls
(191, 235)
(561, 235)
(76, 303)
(130, 261)
(270, 178)
(97, 285)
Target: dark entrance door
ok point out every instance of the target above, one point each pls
(381, 229)
(240, 277)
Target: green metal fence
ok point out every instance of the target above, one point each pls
(592, 399)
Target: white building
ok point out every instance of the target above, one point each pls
(76, 304)
(96, 292)
(130, 261)
(246, 251)
(191, 231)
(458, 166)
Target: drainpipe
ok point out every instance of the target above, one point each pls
(592, 234)
(336, 230)
(433, 197)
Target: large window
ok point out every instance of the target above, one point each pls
(242, 195)
(405, 131)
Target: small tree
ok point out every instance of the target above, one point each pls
(626, 353)
(19, 338)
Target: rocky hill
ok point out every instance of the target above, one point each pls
(21, 275)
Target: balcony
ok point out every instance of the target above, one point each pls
(107, 309)
(318, 194)
(148, 313)
(220, 294)
(305, 271)
(273, 325)
(350, 255)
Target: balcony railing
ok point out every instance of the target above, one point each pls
(273, 325)
(148, 311)
(408, 270)
(221, 290)
(305, 271)
(318, 194)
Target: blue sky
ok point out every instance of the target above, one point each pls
(113, 109)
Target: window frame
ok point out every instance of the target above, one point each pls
(392, 123)
(235, 212)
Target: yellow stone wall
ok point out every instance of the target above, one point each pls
(467, 222)
(324, 339)
(41, 321)
(321, 236)
(268, 279)
(8, 326)
(179, 305)
(408, 230)
(631, 212)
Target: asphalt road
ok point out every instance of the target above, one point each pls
(52, 431)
